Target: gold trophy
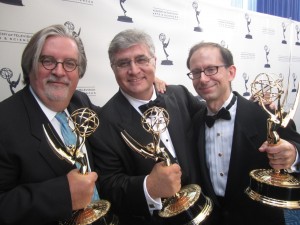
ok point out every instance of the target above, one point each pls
(189, 206)
(269, 186)
(85, 123)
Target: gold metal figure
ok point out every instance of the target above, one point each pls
(85, 123)
(189, 206)
(269, 186)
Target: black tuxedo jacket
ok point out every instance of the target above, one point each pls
(33, 185)
(122, 171)
(250, 131)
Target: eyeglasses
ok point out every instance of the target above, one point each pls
(50, 63)
(209, 71)
(139, 61)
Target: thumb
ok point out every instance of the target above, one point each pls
(263, 147)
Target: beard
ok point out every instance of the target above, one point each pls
(57, 93)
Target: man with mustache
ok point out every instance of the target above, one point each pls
(36, 186)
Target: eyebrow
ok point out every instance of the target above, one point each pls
(50, 56)
(124, 59)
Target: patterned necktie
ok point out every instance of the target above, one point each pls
(70, 139)
(222, 114)
(66, 131)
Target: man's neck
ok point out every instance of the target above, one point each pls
(151, 96)
(215, 105)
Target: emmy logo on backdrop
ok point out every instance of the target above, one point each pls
(267, 51)
(246, 79)
(224, 44)
(248, 20)
(7, 74)
(162, 38)
(195, 6)
(294, 82)
(283, 32)
(189, 205)
(269, 186)
(124, 18)
(70, 26)
(13, 2)
(85, 123)
(297, 30)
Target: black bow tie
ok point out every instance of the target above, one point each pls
(159, 102)
(222, 114)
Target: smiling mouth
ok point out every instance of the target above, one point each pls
(205, 88)
(58, 82)
(135, 80)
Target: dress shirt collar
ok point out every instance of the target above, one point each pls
(48, 112)
(210, 113)
(138, 102)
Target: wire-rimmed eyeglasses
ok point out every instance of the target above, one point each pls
(208, 71)
(139, 61)
(50, 63)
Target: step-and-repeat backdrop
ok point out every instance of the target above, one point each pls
(260, 43)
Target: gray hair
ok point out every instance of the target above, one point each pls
(32, 52)
(126, 39)
(226, 55)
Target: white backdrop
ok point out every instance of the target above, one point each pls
(259, 42)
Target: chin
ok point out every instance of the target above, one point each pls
(58, 95)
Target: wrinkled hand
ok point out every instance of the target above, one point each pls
(281, 155)
(164, 181)
(81, 188)
(160, 85)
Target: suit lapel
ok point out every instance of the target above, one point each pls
(175, 130)
(130, 116)
(184, 143)
(37, 118)
(206, 184)
(76, 104)
(245, 130)
(130, 120)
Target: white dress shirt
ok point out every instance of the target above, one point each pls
(218, 148)
(56, 124)
(153, 204)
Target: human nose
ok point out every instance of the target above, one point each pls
(203, 76)
(59, 69)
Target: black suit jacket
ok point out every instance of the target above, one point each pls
(33, 185)
(250, 131)
(122, 171)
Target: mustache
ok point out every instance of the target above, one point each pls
(53, 78)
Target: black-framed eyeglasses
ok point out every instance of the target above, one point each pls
(50, 63)
(139, 61)
(208, 71)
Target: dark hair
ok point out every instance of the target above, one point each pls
(226, 55)
(128, 38)
(32, 52)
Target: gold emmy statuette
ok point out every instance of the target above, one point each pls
(85, 123)
(269, 186)
(189, 206)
